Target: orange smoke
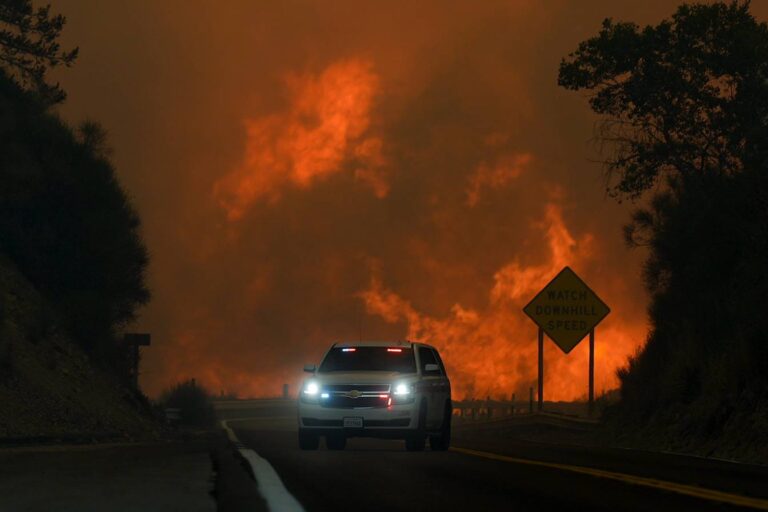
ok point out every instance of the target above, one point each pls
(494, 351)
(324, 129)
(496, 175)
(217, 376)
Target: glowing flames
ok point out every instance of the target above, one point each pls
(496, 175)
(489, 351)
(323, 131)
(493, 352)
(328, 129)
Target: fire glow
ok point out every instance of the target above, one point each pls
(380, 190)
(493, 352)
(325, 126)
(488, 351)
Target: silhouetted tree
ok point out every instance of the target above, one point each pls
(687, 97)
(685, 106)
(29, 46)
(66, 222)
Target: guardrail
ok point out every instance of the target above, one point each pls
(463, 410)
(488, 409)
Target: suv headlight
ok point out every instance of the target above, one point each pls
(402, 393)
(310, 392)
(402, 389)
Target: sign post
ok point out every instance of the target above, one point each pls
(541, 369)
(591, 371)
(567, 310)
(133, 341)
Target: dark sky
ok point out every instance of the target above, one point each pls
(306, 171)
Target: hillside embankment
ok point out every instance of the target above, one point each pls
(49, 389)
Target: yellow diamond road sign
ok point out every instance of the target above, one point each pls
(566, 309)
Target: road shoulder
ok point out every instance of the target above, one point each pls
(151, 476)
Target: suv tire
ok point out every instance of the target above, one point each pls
(442, 441)
(308, 441)
(417, 441)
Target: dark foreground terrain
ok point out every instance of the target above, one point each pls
(255, 464)
(487, 473)
(156, 476)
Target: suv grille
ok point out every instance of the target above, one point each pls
(363, 388)
(356, 396)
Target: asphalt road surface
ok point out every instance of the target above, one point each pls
(146, 477)
(483, 474)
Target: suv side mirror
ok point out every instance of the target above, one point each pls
(431, 367)
(310, 368)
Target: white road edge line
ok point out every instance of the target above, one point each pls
(268, 481)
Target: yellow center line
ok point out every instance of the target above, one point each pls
(688, 490)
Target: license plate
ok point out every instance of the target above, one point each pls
(353, 422)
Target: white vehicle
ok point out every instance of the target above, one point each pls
(395, 390)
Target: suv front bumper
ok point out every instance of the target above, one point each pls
(393, 421)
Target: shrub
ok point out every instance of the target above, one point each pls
(192, 400)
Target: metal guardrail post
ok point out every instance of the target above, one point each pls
(530, 406)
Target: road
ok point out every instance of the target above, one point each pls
(148, 477)
(487, 475)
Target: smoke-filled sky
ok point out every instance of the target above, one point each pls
(309, 172)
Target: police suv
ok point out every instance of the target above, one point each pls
(395, 390)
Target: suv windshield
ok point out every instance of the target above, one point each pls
(369, 359)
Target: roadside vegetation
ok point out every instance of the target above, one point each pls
(684, 134)
(72, 261)
(65, 222)
(192, 401)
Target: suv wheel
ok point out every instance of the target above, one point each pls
(336, 441)
(416, 441)
(307, 440)
(442, 441)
